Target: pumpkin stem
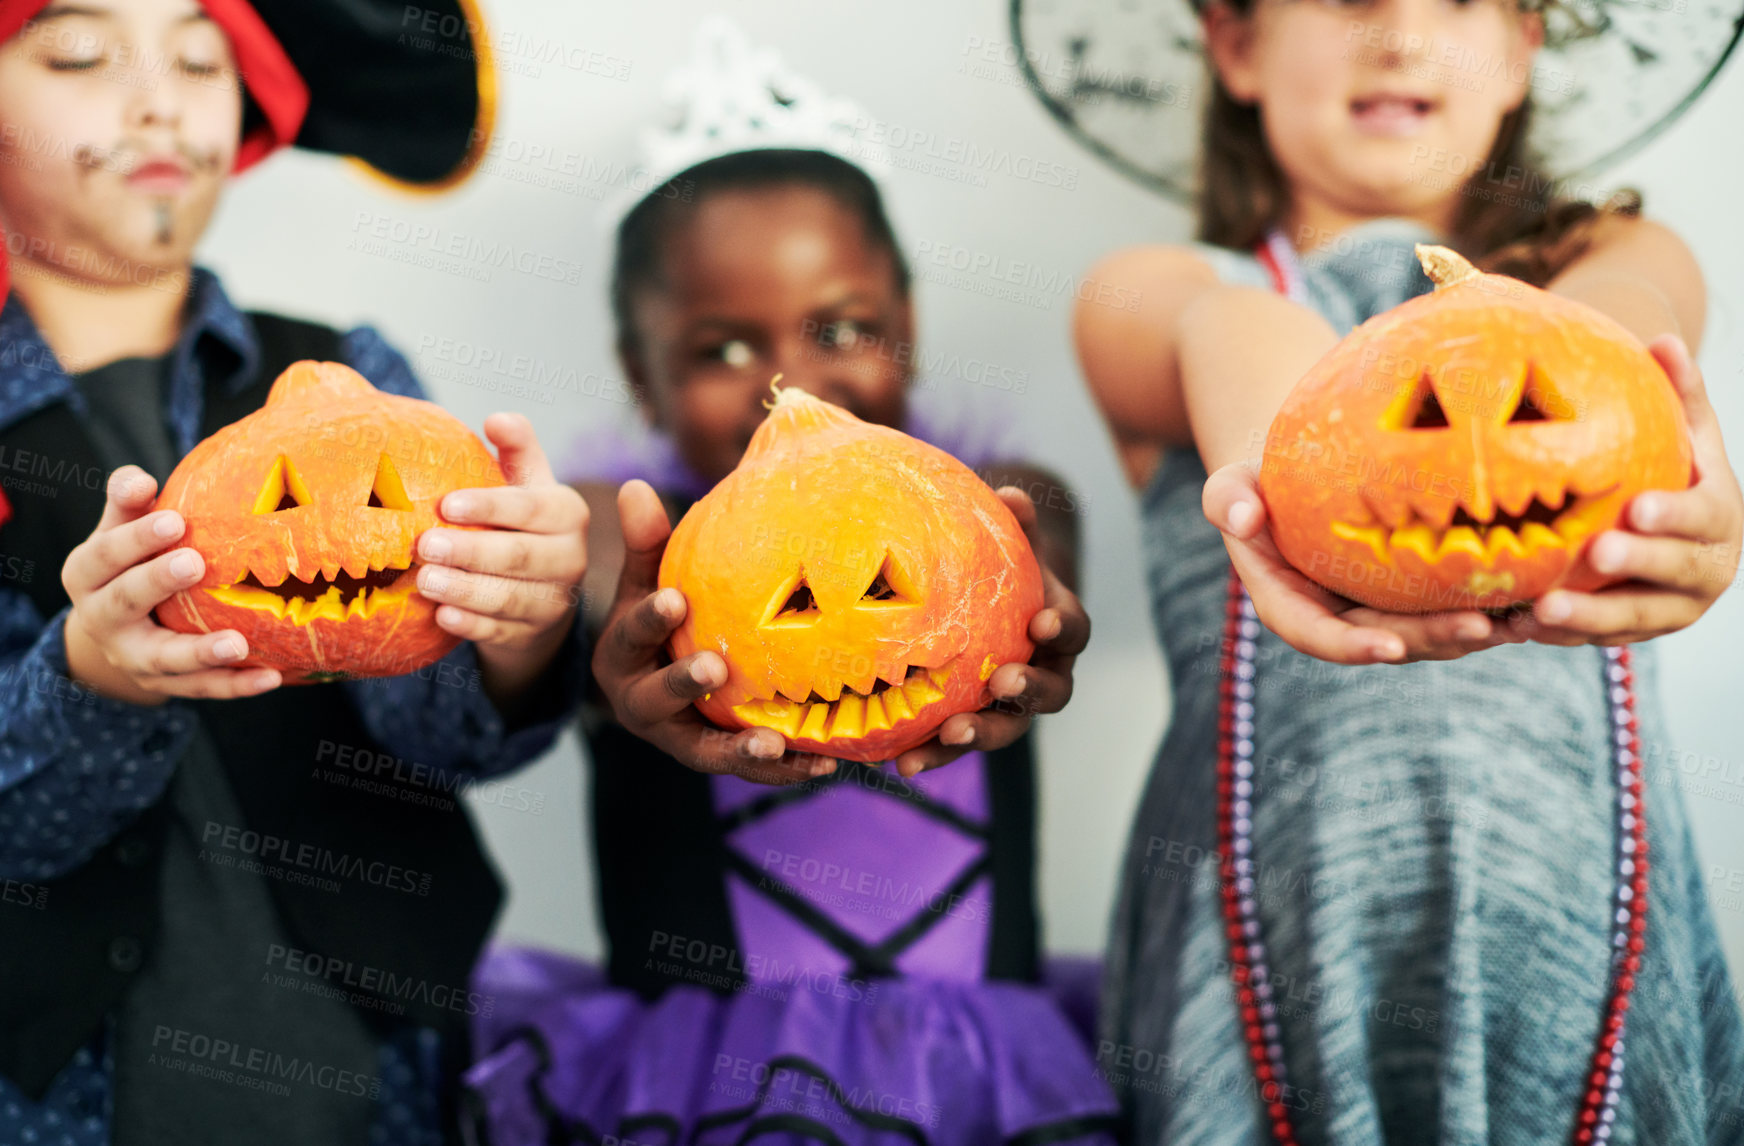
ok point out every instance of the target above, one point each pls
(1445, 266)
(786, 395)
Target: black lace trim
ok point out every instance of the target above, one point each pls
(562, 1130)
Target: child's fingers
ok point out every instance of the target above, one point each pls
(217, 683)
(635, 636)
(509, 553)
(756, 754)
(519, 454)
(935, 753)
(1434, 636)
(107, 553)
(1667, 562)
(658, 696)
(482, 628)
(986, 731)
(502, 598)
(132, 595)
(646, 528)
(1029, 689)
(128, 495)
(535, 509)
(160, 652)
(1706, 440)
(1062, 627)
(1564, 616)
(1060, 634)
(1299, 611)
(1331, 639)
(1692, 388)
(1023, 508)
(1701, 513)
(1231, 501)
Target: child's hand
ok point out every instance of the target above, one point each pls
(512, 590)
(1680, 552)
(115, 578)
(654, 701)
(1317, 621)
(1060, 631)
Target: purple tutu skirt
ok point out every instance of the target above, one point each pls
(569, 1058)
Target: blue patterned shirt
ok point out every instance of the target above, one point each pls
(76, 768)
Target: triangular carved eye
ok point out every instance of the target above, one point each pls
(794, 605)
(1416, 409)
(799, 601)
(890, 586)
(283, 489)
(1430, 415)
(1539, 402)
(388, 492)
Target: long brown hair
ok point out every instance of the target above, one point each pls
(1511, 218)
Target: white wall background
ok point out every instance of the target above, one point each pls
(286, 238)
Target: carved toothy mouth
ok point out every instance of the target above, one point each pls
(1537, 526)
(336, 598)
(853, 713)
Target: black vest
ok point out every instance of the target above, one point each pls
(63, 968)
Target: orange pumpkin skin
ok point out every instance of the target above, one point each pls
(306, 513)
(861, 585)
(1460, 450)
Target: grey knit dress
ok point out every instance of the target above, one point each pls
(1433, 845)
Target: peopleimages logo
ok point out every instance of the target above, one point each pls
(343, 978)
(266, 853)
(193, 1052)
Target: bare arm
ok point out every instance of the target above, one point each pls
(1208, 364)
(1241, 352)
(1641, 274)
(1131, 359)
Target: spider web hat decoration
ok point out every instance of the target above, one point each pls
(1129, 80)
(734, 96)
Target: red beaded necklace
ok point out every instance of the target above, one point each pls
(1250, 968)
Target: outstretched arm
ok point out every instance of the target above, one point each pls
(1210, 365)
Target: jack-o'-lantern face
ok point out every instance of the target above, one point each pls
(1460, 450)
(307, 512)
(860, 585)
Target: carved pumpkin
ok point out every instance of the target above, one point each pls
(861, 585)
(1459, 450)
(307, 511)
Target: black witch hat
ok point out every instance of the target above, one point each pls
(1128, 78)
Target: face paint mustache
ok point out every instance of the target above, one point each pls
(126, 156)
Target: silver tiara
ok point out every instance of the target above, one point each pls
(734, 96)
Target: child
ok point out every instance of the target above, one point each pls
(234, 943)
(1425, 869)
(870, 935)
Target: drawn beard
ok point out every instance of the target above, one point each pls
(124, 157)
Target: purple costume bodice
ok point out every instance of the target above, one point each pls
(857, 876)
